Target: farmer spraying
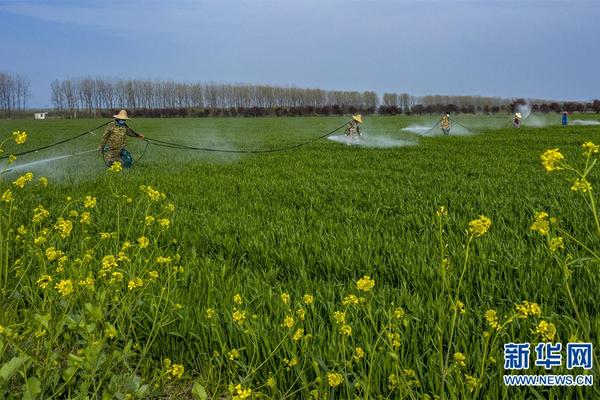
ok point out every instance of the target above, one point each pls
(445, 124)
(353, 129)
(565, 118)
(517, 120)
(114, 141)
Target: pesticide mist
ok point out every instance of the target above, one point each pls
(584, 122)
(432, 130)
(528, 118)
(372, 141)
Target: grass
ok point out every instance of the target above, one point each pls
(315, 220)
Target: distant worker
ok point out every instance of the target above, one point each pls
(565, 118)
(114, 141)
(445, 124)
(517, 120)
(353, 129)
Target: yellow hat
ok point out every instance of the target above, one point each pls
(121, 115)
(357, 118)
(518, 115)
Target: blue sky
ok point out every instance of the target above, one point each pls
(535, 49)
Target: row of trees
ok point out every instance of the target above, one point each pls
(157, 98)
(94, 94)
(14, 93)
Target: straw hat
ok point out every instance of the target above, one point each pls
(121, 115)
(518, 115)
(357, 118)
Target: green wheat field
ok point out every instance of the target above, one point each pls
(330, 271)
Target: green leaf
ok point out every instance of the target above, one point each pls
(199, 392)
(32, 388)
(10, 368)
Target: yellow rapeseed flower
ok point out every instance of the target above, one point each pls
(298, 334)
(85, 218)
(19, 137)
(153, 275)
(556, 244)
(546, 330)
(394, 339)
(442, 211)
(301, 313)
(591, 148)
(350, 300)
(239, 316)
(116, 167)
(116, 277)
(173, 371)
(39, 214)
(64, 287)
(164, 223)
(471, 383)
(399, 313)
(43, 181)
(541, 223)
(365, 284)
(459, 359)
(339, 317)
(346, 330)
(359, 354)
(7, 196)
(105, 235)
(285, 298)
(109, 262)
(44, 281)
(64, 227)
(143, 242)
(110, 332)
(334, 379)
(53, 254)
(135, 283)
(23, 180)
(552, 160)
(288, 321)
(89, 202)
(478, 227)
(393, 381)
(210, 313)
(153, 194)
(233, 354)
(237, 299)
(11, 159)
(308, 299)
(492, 319)
(241, 393)
(87, 283)
(149, 220)
(581, 185)
(527, 309)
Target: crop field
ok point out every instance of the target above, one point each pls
(393, 269)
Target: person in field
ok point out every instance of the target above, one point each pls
(445, 124)
(353, 128)
(517, 120)
(565, 118)
(114, 141)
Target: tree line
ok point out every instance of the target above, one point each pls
(14, 93)
(167, 98)
(100, 97)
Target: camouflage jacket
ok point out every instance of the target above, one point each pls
(115, 136)
(352, 129)
(445, 122)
